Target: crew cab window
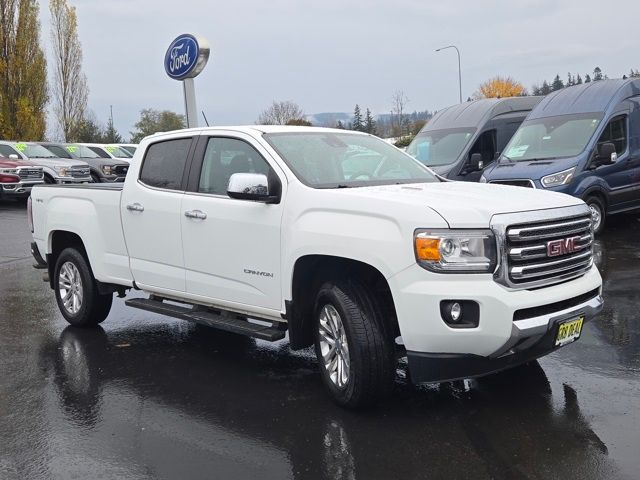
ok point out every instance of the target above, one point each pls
(164, 163)
(222, 158)
(615, 132)
(6, 150)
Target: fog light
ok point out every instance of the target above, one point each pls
(456, 311)
(460, 313)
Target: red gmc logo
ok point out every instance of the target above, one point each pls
(563, 246)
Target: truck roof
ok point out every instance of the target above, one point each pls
(586, 98)
(471, 114)
(253, 129)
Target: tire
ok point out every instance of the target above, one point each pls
(75, 284)
(598, 211)
(362, 373)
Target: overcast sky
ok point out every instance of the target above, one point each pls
(329, 55)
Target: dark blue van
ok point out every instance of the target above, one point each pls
(582, 140)
(462, 140)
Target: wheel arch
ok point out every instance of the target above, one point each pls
(310, 271)
(58, 241)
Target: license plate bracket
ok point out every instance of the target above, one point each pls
(569, 331)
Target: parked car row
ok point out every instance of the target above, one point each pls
(25, 164)
(582, 140)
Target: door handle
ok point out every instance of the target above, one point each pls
(135, 207)
(195, 214)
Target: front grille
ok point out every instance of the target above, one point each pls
(515, 183)
(121, 169)
(79, 172)
(546, 252)
(30, 173)
(550, 308)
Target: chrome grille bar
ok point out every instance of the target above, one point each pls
(543, 247)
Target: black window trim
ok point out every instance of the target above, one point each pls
(197, 162)
(618, 115)
(185, 172)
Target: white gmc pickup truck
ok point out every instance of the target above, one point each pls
(335, 237)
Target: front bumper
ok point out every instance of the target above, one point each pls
(72, 180)
(531, 338)
(17, 190)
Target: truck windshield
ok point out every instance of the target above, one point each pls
(552, 137)
(117, 151)
(32, 150)
(341, 160)
(440, 147)
(81, 151)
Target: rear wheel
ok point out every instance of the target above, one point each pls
(598, 213)
(355, 356)
(77, 292)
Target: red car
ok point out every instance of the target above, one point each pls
(17, 177)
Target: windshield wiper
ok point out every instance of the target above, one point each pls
(342, 185)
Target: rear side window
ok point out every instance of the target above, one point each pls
(616, 133)
(164, 163)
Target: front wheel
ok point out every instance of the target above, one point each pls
(76, 290)
(355, 354)
(598, 213)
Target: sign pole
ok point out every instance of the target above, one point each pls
(190, 102)
(185, 59)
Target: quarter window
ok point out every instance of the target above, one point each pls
(6, 150)
(615, 132)
(164, 163)
(224, 157)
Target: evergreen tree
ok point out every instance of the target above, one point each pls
(357, 119)
(578, 80)
(634, 73)
(111, 135)
(597, 74)
(570, 80)
(340, 125)
(369, 123)
(587, 78)
(545, 89)
(557, 84)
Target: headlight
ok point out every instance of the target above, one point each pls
(107, 169)
(560, 178)
(483, 179)
(62, 171)
(456, 251)
(9, 171)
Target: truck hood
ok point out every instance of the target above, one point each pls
(462, 204)
(535, 170)
(8, 163)
(57, 162)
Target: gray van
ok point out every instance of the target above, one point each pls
(462, 140)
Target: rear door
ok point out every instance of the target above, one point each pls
(231, 246)
(151, 215)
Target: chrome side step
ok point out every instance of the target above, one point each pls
(220, 319)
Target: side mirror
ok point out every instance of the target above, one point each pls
(607, 154)
(13, 156)
(251, 186)
(475, 163)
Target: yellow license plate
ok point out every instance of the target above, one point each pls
(569, 331)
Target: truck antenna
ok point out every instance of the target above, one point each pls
(205, 118)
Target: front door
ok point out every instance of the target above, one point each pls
(231, 247)
(151, 215)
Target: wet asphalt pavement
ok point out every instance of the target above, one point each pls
(149, 397)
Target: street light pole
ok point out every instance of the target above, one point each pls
(459, 69)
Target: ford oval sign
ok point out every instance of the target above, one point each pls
(186, 57)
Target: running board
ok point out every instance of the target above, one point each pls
(220, 319)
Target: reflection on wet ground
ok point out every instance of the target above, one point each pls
(148, 397)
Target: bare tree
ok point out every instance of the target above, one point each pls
(70, 90)
(281, 113)
(398, 103)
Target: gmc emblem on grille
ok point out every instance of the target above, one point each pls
(563, 246)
